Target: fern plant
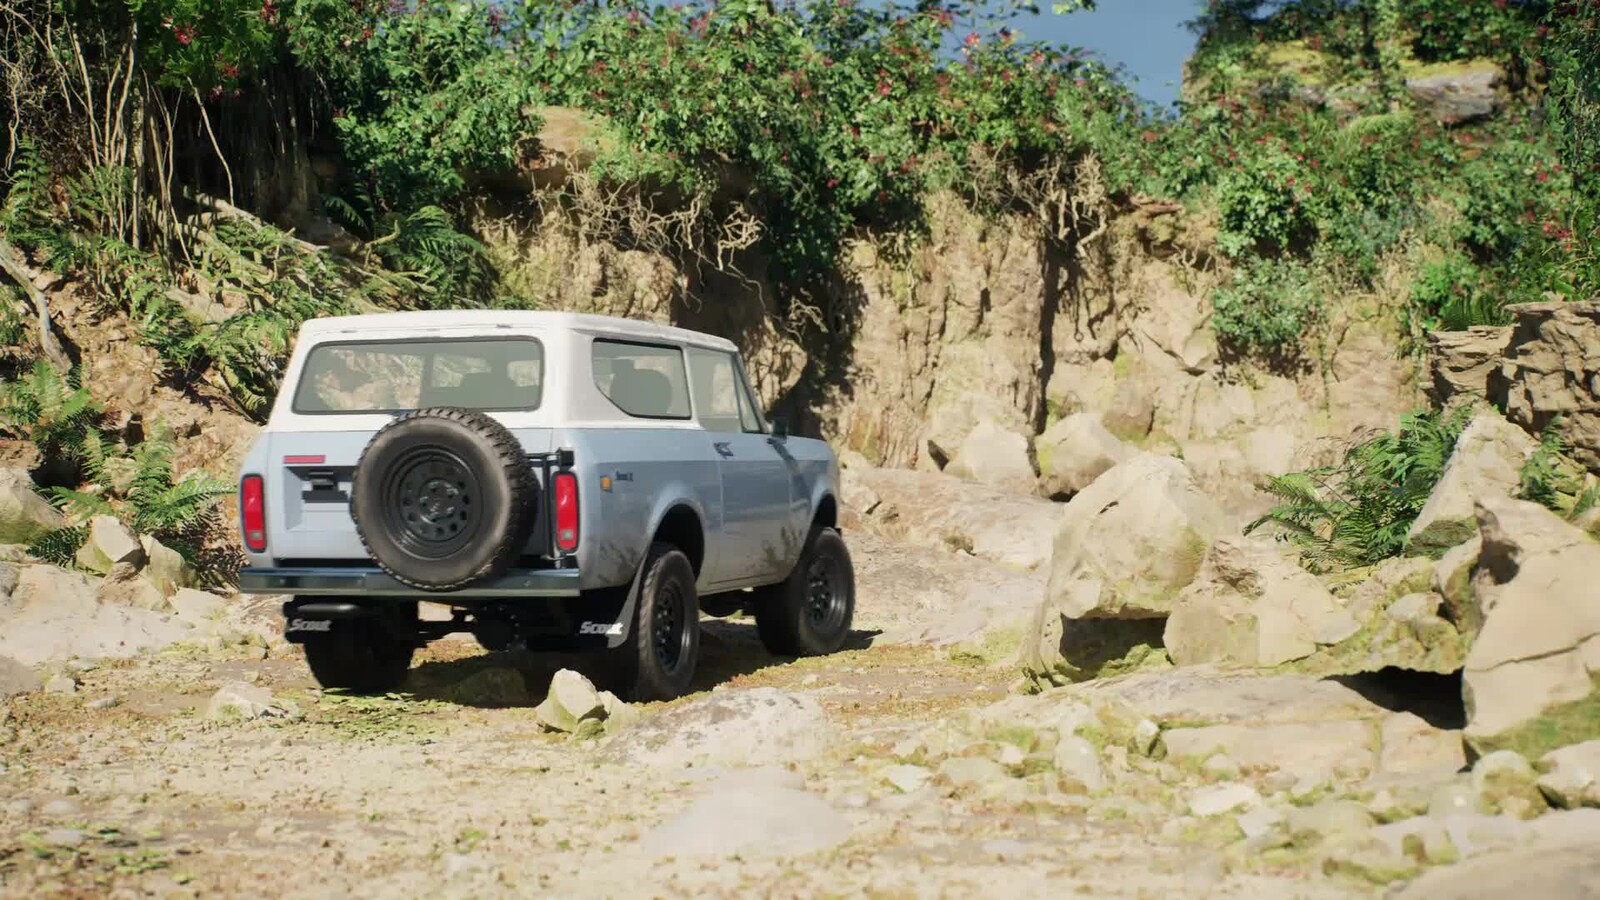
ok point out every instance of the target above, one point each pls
(1358, 512)
(138, 487)
(1552, 480)
(53, 411)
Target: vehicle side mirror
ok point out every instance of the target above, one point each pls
(779, 426)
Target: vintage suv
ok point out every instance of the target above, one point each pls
(562, 482)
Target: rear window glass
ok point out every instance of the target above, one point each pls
(643, 380)
(389, 376)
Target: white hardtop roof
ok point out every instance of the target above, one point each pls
(487, 319)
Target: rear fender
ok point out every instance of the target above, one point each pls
(671, 497)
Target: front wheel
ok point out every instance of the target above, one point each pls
(809, 613)
(361, 656)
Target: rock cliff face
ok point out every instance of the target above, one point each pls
(929, 354)
(1543, 366)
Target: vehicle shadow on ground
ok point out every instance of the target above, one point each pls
(729, 649)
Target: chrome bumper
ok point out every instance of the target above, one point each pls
(332, 582)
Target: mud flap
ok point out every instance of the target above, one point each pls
(622, 626)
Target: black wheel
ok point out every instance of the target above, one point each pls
(658, 661)
(366, 656)
(809, 613)
(443, 498)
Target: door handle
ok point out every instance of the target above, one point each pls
(723, 449)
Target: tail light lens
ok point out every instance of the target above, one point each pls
(253, 513)
(566, 496)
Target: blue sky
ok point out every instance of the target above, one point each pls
(1147, 37)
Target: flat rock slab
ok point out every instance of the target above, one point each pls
(1317, 750)
(1558, 864)
(1207, 696)
(763, 725)
(748, 816)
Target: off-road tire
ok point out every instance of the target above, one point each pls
(361, 656)
(658, 660)
(810, 612)
(443, 497)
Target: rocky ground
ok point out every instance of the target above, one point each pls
(1118, 695)
(898, 768)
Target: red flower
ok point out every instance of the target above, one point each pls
(973, 40)
(884, 89)
(833, 183)
(184, 34)
(269, 12)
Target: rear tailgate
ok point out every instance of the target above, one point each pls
(308, 481)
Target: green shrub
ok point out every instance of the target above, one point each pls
(1267, 201)
(1450, 294)
(1266, 307)
(1358, 512)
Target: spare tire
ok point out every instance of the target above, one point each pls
(442, 498)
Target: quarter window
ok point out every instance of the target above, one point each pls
(646, 381)
(721, 401)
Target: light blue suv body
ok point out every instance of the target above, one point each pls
(657, 424)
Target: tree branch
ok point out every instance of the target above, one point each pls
(12, 262)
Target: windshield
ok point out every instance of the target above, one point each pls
(391, 376)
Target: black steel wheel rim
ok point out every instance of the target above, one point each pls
(827, 594)
(431, 502)
(669, 628)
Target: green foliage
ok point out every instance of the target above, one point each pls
(1358, 512)
(1266, 202)
(52, 411)
(1552, 480)
(1449, 294)
(1266, 307)
(424, 97)
(60, 547)
(1467, 29)
(139, 487)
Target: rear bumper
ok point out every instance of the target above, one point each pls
(375, 582)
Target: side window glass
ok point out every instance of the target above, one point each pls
(643, 380)
(717, 399)
(749, 419)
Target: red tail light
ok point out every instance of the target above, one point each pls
(253, 513)
(566, 494)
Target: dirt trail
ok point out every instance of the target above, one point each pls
(416, 795)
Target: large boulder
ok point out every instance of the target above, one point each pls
(109, 544)
(1250, 606)
(16, 678)
(1552, 369)
(165, 568)
(1487, 462)
(56, 615)
(1457, 93)
(996, 456)
(1126, 546)
(1532, 679)
(1075, 451)
(934, 509)
(1461, 363)
(1128, 543)
(24, 515)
